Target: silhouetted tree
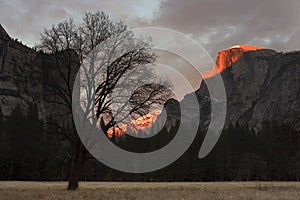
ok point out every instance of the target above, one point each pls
(121, 53)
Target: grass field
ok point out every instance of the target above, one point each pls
(172, 191)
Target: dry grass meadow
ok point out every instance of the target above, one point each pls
(155, 191)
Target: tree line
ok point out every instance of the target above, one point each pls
(29, 151)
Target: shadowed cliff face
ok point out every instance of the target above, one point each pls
(25, 76)
(3, 33)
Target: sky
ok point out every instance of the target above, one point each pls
(215, 24)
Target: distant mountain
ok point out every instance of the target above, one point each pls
(261, 85)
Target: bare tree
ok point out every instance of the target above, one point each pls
(114, 67)
(59, 41)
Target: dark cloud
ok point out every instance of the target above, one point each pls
(217, 24)
(220, 24)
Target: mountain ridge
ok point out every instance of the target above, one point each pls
(261, 86)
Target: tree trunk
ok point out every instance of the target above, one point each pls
(75, 170)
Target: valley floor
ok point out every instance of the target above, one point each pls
(136, 190)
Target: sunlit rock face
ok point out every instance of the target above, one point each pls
(228, 57)
(143, 123)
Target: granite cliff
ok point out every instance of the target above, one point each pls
(25, 76)
(261, 85)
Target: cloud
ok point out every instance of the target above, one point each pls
(215, 24)
(27, 19)
(220, 24)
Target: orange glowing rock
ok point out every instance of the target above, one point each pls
(117, 131)
(146, 121)
(141, 123)
(227, 57)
